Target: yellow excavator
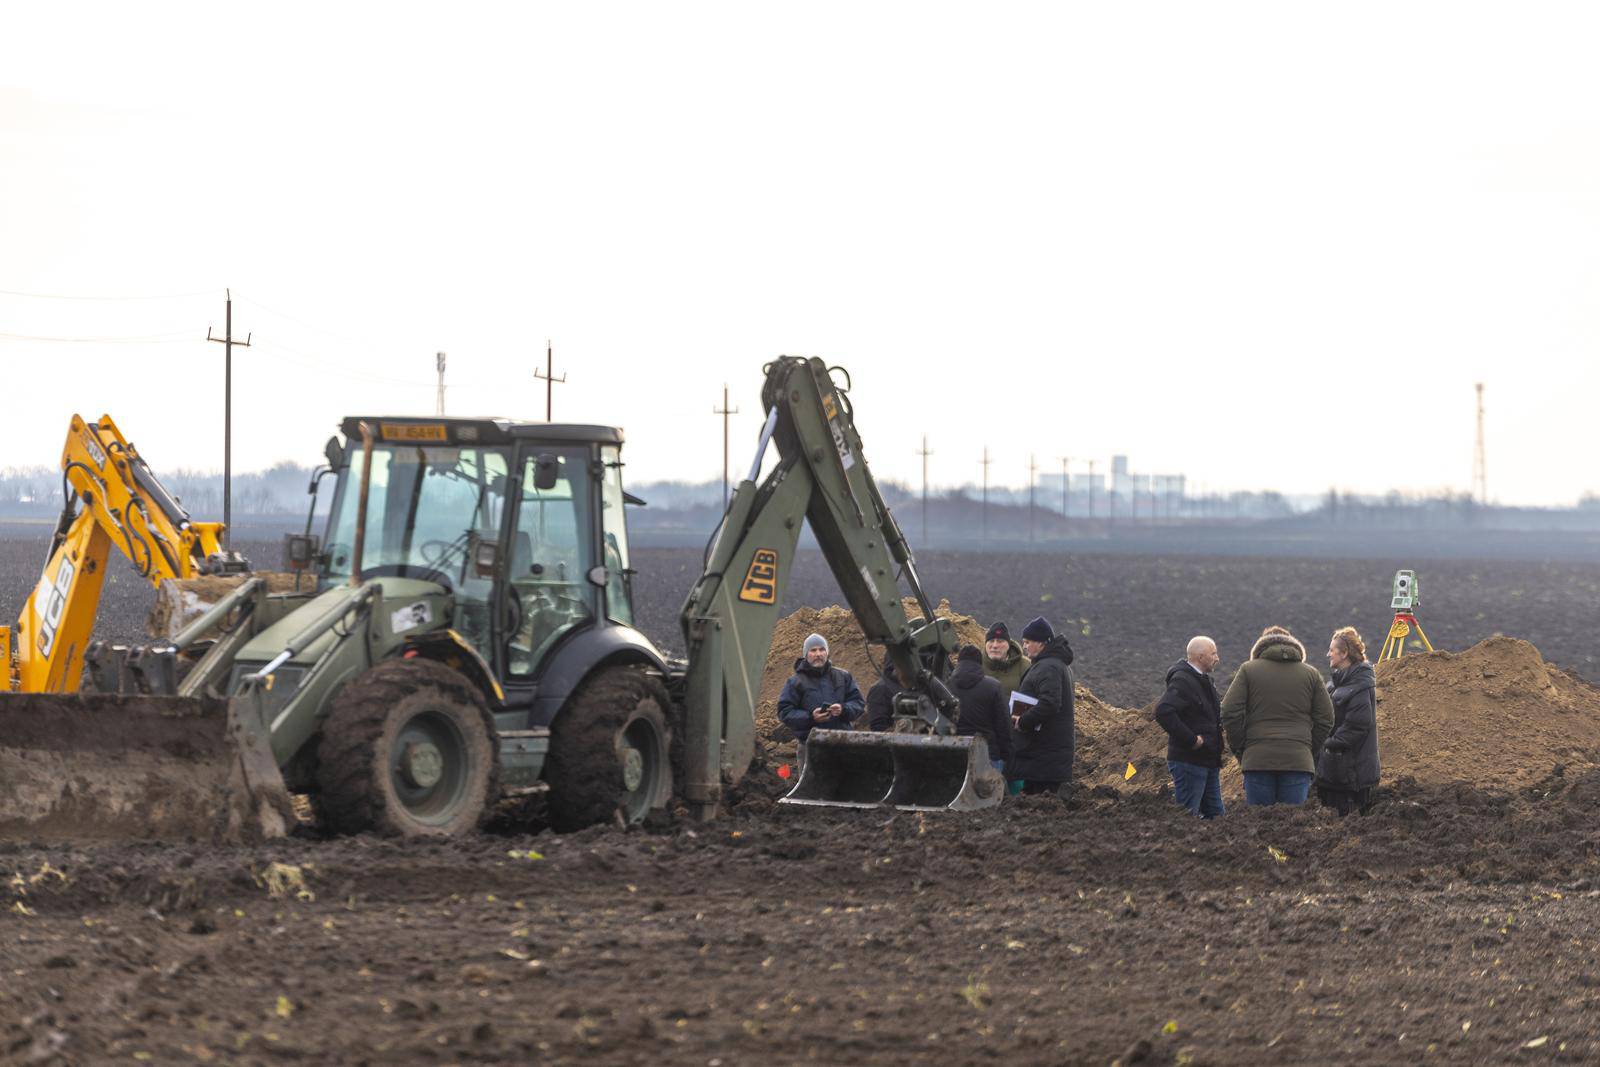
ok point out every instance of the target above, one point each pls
(111, 497)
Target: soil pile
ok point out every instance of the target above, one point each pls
(847, 648)
(1494, 715)
(180, 601)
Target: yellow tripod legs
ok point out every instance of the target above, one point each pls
(1405, 629)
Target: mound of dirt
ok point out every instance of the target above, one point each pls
(847, 648)
(180, 601)
(1494, 715)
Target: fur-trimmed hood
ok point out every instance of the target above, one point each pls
(1279, 647)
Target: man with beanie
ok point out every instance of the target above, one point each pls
(1041, 752)
(1191, 714)
(983, 709)
(819, 696)
(1004, 661)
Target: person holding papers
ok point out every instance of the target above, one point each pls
(1042, 711)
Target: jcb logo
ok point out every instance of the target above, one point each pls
(761, 580)
(55, 605)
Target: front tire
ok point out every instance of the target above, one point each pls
(408, 749)
(611, 751)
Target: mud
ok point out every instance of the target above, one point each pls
(1451, 925)
(178, 602)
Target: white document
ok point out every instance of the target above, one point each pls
(1021, 702)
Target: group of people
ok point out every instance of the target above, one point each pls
(1288, 728)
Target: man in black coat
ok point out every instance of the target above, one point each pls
(1042, 749)
(1191, 713)
(880, 698)
(983, 706)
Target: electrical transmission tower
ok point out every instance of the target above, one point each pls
(724, 411)
(227, 341)
(550, 382)
(1064, 484)
(438, 362)
(985, 462)
(1033, 476)
(924, 452)
(1480, 474)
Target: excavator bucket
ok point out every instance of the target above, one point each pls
(94, 767)
(912, 772)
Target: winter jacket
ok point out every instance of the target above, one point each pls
(1276, 714)
(1350, 756)
(818, 687)
(1042, 746)
(1188, 708)
(880, 704)
(983, 710)
(1008, 671)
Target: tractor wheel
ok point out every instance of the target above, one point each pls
(612, 751)
(407, 749)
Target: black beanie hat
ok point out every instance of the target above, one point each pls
(998, 632)
(969, 652)
(1038, 630)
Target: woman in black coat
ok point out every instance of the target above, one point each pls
(1347, 770)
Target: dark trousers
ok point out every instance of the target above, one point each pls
(1031, 786)
(1197, 788)
(1345, 801)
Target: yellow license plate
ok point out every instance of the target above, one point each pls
(426, 431)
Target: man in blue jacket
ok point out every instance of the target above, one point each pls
(1191, 714)
(818, 696)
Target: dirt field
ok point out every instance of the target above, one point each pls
(1454, 924)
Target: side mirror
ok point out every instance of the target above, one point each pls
(546, 471)
(599, 576)
(333, 452)
(299, 551)
(485, 558)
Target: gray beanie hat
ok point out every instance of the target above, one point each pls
(816, 641)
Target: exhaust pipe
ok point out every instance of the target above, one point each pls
(911, 772)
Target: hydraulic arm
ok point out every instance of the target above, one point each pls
(822, 478)
(111, 498)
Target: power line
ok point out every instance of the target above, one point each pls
(174, 337)
(70, 296)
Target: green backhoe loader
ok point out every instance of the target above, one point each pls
(470, 634)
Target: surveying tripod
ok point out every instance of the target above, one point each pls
(1407, 598)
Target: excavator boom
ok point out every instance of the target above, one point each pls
(821, 478)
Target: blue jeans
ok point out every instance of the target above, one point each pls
(1276, 787)
(1197, 788)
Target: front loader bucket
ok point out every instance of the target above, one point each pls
(94, 767)
(913, 772)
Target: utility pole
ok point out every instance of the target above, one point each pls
(724, 411)
(1091, 490)
(227, 342)
(1033, 473)
(1480, 474)
(924, 453)
(1064, 484)
(549, 382)
(986, 462)
(438, 362)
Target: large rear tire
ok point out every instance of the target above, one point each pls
(611, 751)
(408, 749)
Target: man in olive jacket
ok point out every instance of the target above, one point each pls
(1042, 750)
(1003, 660)
(1276, 716)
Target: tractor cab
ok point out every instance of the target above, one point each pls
(521, 523)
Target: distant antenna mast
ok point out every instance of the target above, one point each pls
(1064, 483)
(227, 341)
(1033, 477)
(438, 362)
(550, 382)
(1480, 475)
(1091, 490)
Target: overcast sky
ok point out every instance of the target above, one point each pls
(1270, 245)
